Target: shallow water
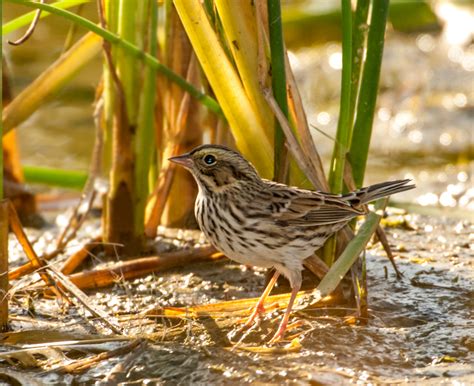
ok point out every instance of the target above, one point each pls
(420, 328)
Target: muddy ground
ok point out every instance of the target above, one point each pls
(420, 327)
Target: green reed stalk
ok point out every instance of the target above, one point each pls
(145, 136)
(111, 9)
(279, 87)
(123, 215)
(127, 65)
(71, 179)
(131, 49)
(344, 126)
(359, 34)
(368, 90)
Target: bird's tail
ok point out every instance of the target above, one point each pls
(373, 192)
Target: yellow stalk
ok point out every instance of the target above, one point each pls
(50, 81)
(240, 26)
(246, 126)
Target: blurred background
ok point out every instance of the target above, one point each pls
(424, 122)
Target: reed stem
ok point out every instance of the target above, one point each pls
(277, 50)
(368, 90)
(344, 126)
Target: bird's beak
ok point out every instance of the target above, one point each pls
(183, 160)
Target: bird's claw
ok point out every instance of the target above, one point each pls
(256, 314)
(277, 337)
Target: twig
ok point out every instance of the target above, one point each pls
(30, 29)
(84, 364)
(382, 237)
(3, 265)
(77, 258)
(84, 299)
(35, 260)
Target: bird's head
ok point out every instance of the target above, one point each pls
(216, 167)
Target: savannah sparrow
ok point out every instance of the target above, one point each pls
(263, 223)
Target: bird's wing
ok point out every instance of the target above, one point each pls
(290, 206)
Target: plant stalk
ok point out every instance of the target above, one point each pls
(369, 83)
(344, 126)
(277, 49)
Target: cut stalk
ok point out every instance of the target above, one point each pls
(127, 65)
(123, 223)
(183, 128)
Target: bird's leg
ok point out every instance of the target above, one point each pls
(282, 327)
(259, 307)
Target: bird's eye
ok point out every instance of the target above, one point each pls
(209, 159)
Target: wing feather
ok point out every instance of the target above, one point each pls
(307, 208)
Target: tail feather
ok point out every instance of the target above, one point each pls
(373, 192)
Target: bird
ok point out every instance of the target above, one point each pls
(258, 222)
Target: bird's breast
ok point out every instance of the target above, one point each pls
(252, 240)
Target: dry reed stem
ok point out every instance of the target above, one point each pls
(83, 299)
(81, 365)
(76, 259)
(131, 269)
(36, 262)
(235, 308)
(156, 204)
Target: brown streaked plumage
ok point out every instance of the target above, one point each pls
(259, 222)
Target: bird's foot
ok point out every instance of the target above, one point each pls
(279, 334)
(250, 324)
(256, 314)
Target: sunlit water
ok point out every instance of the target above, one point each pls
(423, 127)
